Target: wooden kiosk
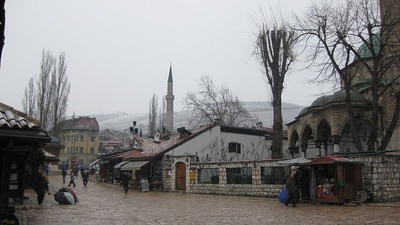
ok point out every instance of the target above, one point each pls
(335, 179)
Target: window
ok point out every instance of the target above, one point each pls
(92, 138)
(208, 176)
(82, 139)
(238, 175)
(81, 150)
(274, 175)
(91, 150)
(234, 147)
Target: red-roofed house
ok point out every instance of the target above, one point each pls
(166, 162)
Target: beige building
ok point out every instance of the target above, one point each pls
(80, 136)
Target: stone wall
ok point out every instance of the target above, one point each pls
(381, 177)
(254, 189)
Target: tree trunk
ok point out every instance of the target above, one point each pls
(276, 146)
(389, 132)
(375, 111)
(353, 122)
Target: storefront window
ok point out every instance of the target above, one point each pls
(208, 176)
(238, 175)
(274, 175)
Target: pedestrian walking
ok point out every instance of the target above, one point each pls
(82, 170)
(85, 178)
(126, 177)
(41, 187)
(291, 187)
(64, 174)
(72, 179)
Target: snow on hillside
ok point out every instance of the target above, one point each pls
(263, 111)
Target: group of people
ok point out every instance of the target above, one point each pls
(72, 176)
(41, 185)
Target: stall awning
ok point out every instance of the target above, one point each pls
(134, 165)
(294, 162)
(120, 164)
(94, 162)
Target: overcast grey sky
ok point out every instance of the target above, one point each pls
(119, 52)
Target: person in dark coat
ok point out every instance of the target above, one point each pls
(291, 187)
(41, 187)
(82, 169)
(126, 177)
(85, 178)
(64, 174)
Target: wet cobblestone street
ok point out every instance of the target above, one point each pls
(108, 204)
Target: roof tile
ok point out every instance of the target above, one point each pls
(151, 149)
(12, 118)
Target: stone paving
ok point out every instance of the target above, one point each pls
(102, 203)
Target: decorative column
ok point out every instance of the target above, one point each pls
(336, 141)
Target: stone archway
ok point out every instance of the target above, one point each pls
(324, 136)
(305, 139)
(293, 144)
(346, 138)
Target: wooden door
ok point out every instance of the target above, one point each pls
(180, 176)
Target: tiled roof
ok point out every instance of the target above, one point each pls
(50, 157)
(81, 123)
(12, 118)
(151, 149)
(113, 143)
(15, 124)
(48, 154)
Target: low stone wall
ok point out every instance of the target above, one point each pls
(265, 190)
(381, 177)
(255, 189)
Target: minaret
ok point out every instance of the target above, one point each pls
(170, 103)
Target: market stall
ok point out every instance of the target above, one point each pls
(335, 179)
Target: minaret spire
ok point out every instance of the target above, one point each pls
(170, 102)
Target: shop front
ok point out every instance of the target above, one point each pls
(335, 179)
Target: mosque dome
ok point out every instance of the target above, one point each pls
(338, 97)
(365, 52)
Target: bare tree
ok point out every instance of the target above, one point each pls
(45, 89)
(212, 103)
(274, 49)
(335, 32)
(161, 114)
(61, 92)
(29, 99)
(47, 98)
(153, 108)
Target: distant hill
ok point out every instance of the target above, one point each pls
(262, 111)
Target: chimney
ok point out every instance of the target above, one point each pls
(183, 133)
